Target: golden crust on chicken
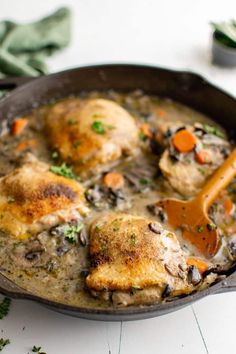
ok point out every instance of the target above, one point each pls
(32, 197)
(91, 134)
(135, 252)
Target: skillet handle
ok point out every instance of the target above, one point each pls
(10, 83)
(228, 285)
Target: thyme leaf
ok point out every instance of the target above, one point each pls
(209, 129)
(71, 232)
(4, 307)
(63, 170)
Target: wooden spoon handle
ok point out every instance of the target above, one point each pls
(220, 179)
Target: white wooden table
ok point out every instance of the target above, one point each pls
(167, 33)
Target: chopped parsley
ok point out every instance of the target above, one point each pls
(209, 129)
(37, 350)
(201, 170)
(3, 343)
(4, 307)
(116, 229)
(98, 127)
(71, 231)
(55, 155)
(144, 181)
(10, 199)
(142, 136)
(63, 170)
(199, 228)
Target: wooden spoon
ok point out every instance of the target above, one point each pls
(191, 216)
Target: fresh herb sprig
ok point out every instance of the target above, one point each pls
(71, 232)
(3, 343)
(63, 170)
(4, 307)
(209, 129)
(37, 350)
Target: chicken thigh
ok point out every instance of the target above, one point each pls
(90, 134)
(135, 253)
(32, 198)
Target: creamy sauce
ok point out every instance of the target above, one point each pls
(60, 272)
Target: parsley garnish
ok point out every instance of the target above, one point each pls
(199, 228)
(3, 343)
(144, 181)
(37, 350)
(4, 307)
(63, 170)
(201, 170)
(213, 130)
(70, 232)
(98, 127)
(142, 136)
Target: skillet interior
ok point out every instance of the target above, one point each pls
(187, 88)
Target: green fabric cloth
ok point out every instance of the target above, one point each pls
(24, 47)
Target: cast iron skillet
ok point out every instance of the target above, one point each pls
(187, 88)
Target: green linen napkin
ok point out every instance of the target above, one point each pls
(24, 47)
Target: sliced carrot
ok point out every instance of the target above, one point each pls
(146, 130)
(184, 141)
(114, 180)
(161, 113)
(228, 205)
(199, 263)
(23, 145)
(18, 125)
(203, 157)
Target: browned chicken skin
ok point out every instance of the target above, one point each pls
(33, 198)
(132, 252)
(91, 134)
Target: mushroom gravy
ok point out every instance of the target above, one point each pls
(55, 263)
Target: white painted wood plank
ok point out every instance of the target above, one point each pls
(175, 333)
(56, 333)
(217, 318)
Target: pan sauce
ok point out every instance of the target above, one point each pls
(54, 268)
